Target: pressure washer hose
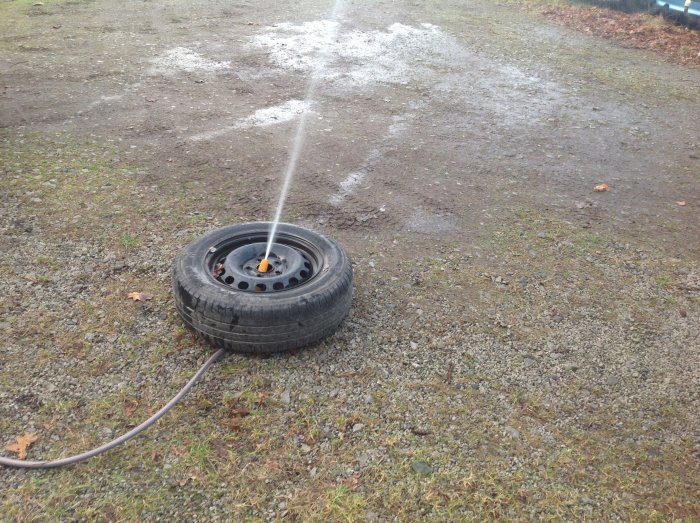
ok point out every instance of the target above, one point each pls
(121, 439)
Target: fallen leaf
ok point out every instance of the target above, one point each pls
(218, 269)
(272, 465)
(602, 187)
(681, 203)
(23, 443)
(352, 482)
(140, 296)
(448, 375)
(129, 407)
(178, 451)
(241, 412)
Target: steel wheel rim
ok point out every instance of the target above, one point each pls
(229, 262)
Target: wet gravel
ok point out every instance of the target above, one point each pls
(409, 362)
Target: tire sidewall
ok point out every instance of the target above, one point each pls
(191, 272)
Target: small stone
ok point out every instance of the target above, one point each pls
(587, 501)
(512, 432)
(529, 362)
(363, 459)
(612, 380)
(542, 235)
(367, 398)
(421, 467)
(357, 427)
(305, 449)
(414, 345)
(286, 397)
(313, 472)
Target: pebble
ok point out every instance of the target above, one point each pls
(357, 427)
(286, 397)
(421, 467)
(512, 432)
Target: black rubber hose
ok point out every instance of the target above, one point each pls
(121, 439)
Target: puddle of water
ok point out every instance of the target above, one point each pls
(352, 180)
(404, 54)
(359, 58)
(184, 59)
(426, 222)
(274, 115)
(398, 126)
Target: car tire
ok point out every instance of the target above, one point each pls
(308, 305)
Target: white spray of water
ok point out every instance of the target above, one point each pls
(298, 143)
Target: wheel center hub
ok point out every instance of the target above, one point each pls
(287, 267)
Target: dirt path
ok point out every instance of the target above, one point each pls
(532, 342)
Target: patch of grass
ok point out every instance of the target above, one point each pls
(129, 240)
(342, 504)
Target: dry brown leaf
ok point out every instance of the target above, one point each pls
(352, 482)
(602, 187)
(240, 412)
(140, 296)
(23, 443)
(218, 269)
(129, 407)
(681, 203)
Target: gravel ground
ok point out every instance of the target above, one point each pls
(524, 349)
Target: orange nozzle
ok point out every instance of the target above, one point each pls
(264, 265)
